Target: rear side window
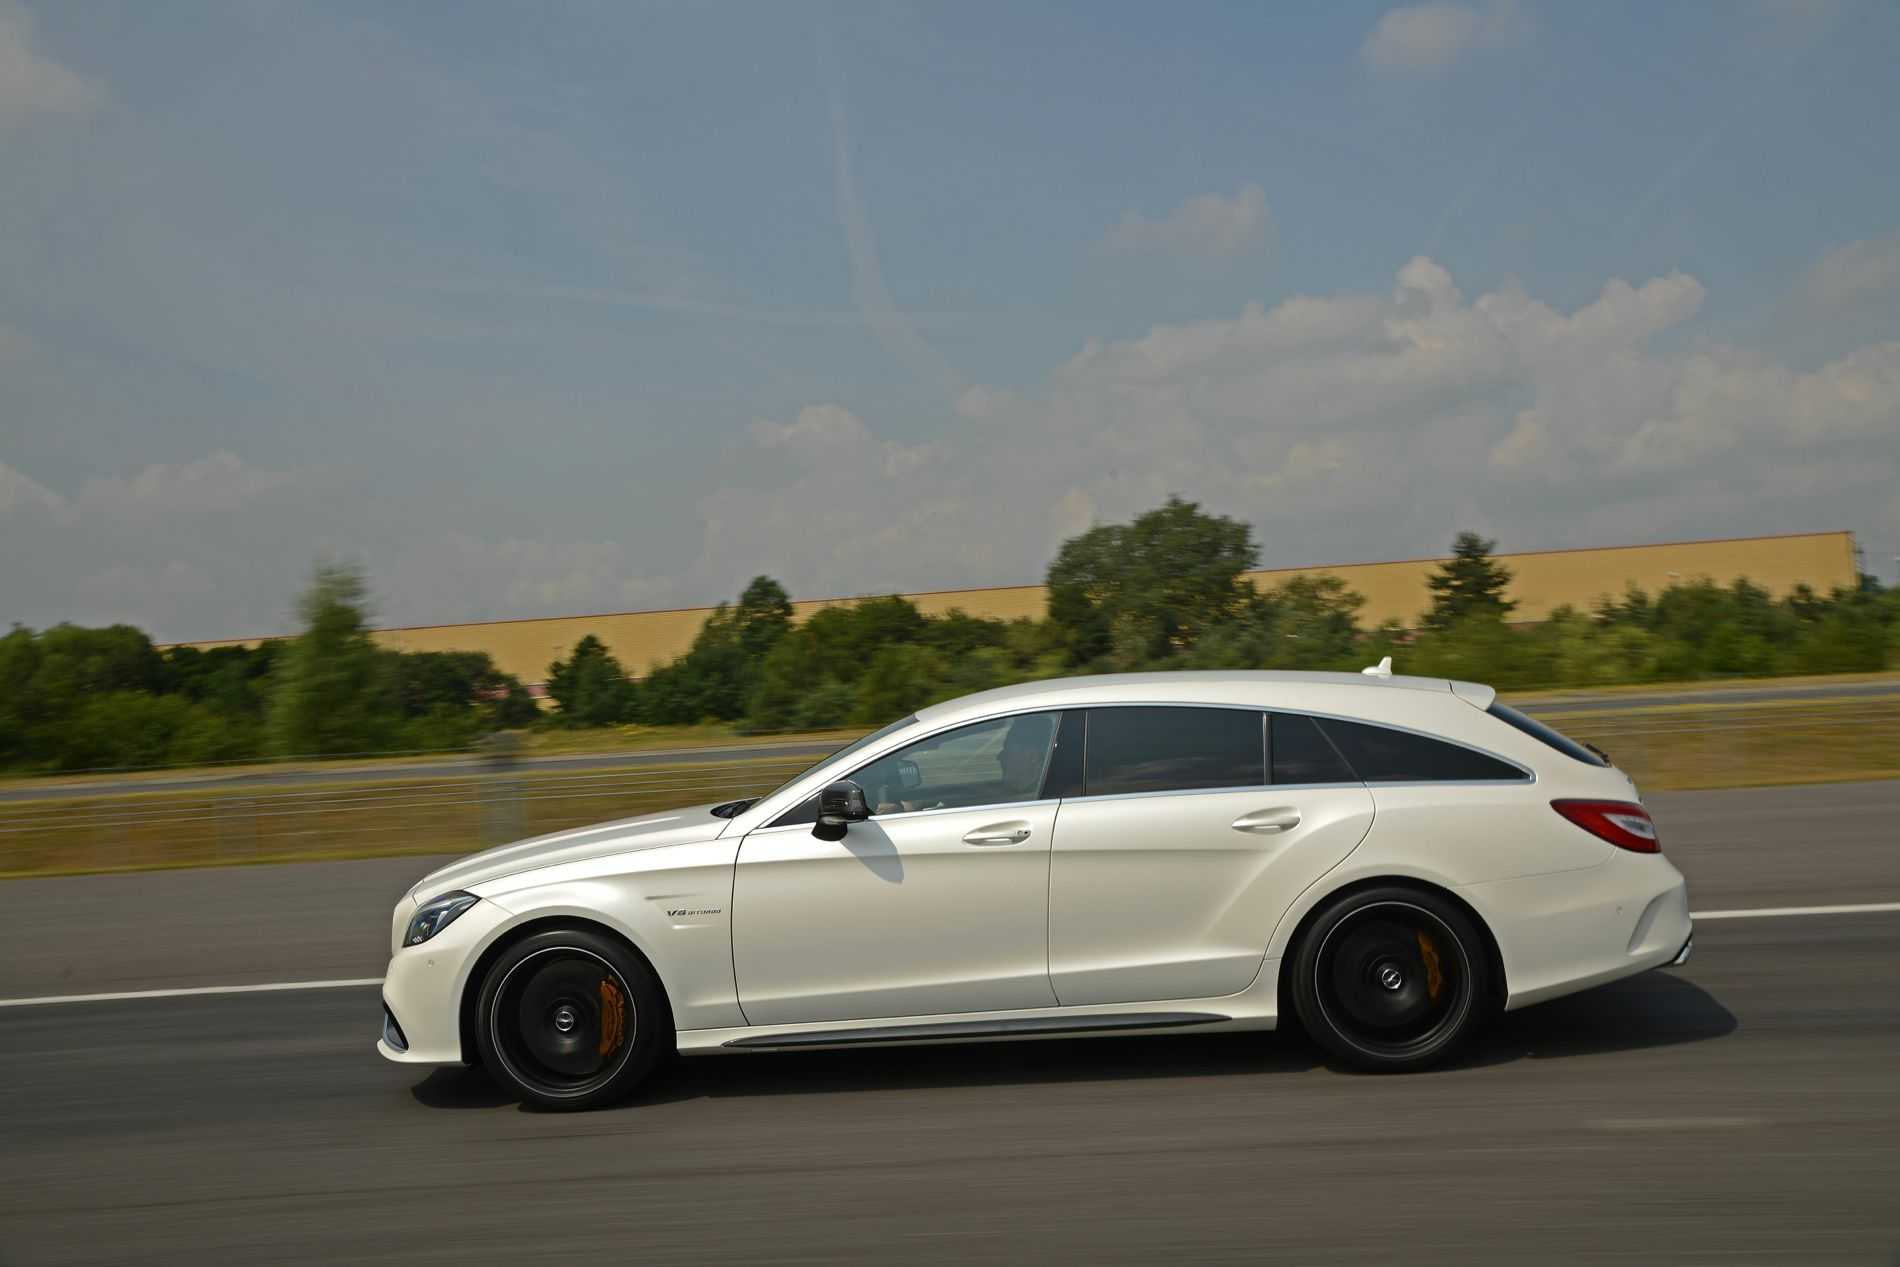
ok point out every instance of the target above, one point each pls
(1544, 734)
(1302, 755)
(1173, 750)
(1382, 755)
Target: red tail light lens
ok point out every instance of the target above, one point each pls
(1623, 824)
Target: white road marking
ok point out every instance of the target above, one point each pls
(272, 987)
(1670, 1123)
(1771, 912)
(117, 996)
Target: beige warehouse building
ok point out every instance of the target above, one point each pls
(1541, 581)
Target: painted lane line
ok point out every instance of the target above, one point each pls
(1671, 1123)
(273, 987)
(1772, 912)
(117, 996)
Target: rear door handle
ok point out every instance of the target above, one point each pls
(998, 834)
(1268, 822)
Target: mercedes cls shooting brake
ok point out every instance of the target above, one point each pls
(1388, 859)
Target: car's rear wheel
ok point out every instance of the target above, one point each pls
(571, 1019)
(1391, 979)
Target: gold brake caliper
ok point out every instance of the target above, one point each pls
(613, 1017)
(1434, 975)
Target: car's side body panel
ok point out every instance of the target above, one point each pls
(1159, 895)
(903, 916)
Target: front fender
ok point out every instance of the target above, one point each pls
(673, 903)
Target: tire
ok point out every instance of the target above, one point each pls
(1391, 979)
(571, 1019)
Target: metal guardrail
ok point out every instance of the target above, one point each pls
(1712, 747)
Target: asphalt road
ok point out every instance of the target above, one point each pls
(209, 779)
(1745, 1106)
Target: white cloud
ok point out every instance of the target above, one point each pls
(1432, 37)
(1851, 274)
(1209, 225)
(1354, 425)
(20, 493)
(1342, 426)
(219, 483)
(30, 82)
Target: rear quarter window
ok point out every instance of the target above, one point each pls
(1379, 754)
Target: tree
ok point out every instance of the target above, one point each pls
(1470, 583)
(328, 692)
(1147, 590)
(762, 617)
(717, 677)
(589, 688)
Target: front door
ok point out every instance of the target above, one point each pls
(937, 904)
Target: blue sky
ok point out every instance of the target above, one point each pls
(597, 306)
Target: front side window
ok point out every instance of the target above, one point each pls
(987, 763)
(1379, 754)
(1142, 749)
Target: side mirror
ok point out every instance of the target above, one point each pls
(839, 805)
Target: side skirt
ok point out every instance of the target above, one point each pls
(954, 1031)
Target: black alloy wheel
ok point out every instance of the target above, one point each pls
(571, 1019)
(1391, 979)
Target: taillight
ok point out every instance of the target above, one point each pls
(1625, 825)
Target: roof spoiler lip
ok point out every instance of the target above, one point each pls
(1476, 694)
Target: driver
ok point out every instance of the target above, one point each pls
(1024, 748)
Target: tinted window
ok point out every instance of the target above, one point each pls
(1065, 764)
(1381, 755)
(1173, 749)
(1539, 731)
(1302, 755)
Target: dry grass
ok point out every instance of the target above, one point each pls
(354, 820)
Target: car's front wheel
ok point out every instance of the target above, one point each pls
(571, 1019)
(1391, 979)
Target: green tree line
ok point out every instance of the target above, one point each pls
(1167, 591)
(87, 699)
(1164, 591)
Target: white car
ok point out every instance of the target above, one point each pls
(1389, 858)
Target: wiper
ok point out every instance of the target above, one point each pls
(732, 809)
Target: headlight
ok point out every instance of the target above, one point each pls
(435, 915)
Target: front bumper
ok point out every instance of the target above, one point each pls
(424, 985)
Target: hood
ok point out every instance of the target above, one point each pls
(651, 831)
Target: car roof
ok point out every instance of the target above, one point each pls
(1253, 687)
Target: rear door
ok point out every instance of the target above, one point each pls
(1175, 860)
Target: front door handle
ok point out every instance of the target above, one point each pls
(1268, 822)
(998, 834)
